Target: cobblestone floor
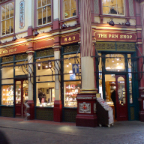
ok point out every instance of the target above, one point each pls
(19, 131)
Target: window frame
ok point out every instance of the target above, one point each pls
(124, 7)
(36, 11)
(1, 5)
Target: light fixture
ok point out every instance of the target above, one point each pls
(14, 38)
(112, 60)
(36, 33)
(49, 64)
(46, 66)
(39, 64)
(111, 23)
(127, 23)
(67, 65)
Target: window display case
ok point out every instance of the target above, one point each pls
(71, 91)
(7, 95)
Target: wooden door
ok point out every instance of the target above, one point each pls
(19, 98)
(121, 98)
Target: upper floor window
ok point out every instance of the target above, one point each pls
(44, 11)
(7, 18)
(115, 7)
(69, 8)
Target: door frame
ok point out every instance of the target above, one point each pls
(21, 79)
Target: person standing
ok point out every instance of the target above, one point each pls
(113, 97)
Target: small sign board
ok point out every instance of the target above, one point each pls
(75, 68)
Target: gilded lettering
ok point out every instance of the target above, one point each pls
(65, 39)
(110, 35)
(69, 39)
(73, 37)
(125, 36)
(5, 51)
(130, 36)
(121, 36)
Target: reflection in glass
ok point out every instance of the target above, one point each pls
(121, 91)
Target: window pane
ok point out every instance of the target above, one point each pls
(7, 95)
(11, 7)
(44, 15)
(71, 89)
(3, 28)
(69, 75)
(21, 70)
(48, 14)
(48, 1)
(39, 3)
(120, 6)
(8, 23)
(40, 16)
(73, 7)
(12, 25)
(45, 94)
(3, 12)
(44, 70)
(43, 2)
(67, 8)
(7, 11)
(130, 78)
(116, 63)
(7, 72)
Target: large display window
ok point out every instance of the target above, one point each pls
(7, 89)
(72, 82)
(45, 82)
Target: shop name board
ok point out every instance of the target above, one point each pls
(115, 37)
(70, 39)
(8, 51)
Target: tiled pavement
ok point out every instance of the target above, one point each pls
(19, 131)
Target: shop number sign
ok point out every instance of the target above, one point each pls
(75, 68)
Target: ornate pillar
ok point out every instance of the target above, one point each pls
(30, 101)
(86, 111)
(140, 21)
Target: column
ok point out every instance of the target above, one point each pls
(30, 101)
(140, 44)
(56, 14)
(86, 111)
(57, 102)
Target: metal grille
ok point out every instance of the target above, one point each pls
(70, 115)
(7, 111)
(7, 59)
(44, 53)
(21, 57)
(44, 114)
(72, 48)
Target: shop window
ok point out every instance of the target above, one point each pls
(115, 62)
(113, 7)
(71, 89)
(7, 74)
(72, 84)
(45, 82)
(45, 94)
(7, 18)
(130, 77)
(43, 11)
(21, 68)
(7, 95)
(69, 8)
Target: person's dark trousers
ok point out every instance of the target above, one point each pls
(115, 110)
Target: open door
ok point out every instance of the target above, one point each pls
(121, 98)
(21, 94)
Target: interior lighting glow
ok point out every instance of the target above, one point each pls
(108, 68)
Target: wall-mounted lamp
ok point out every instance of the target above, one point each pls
(63, 26)
(36, 33)
(127, 23)
(111, 23)
(14, 38)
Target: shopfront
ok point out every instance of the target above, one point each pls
(117, 72)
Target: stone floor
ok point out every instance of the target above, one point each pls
(19, 131)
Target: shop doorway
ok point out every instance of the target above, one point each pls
(21, 95)
(115, 93)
